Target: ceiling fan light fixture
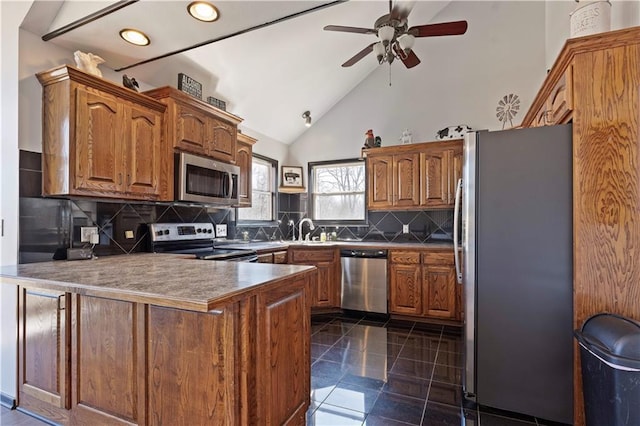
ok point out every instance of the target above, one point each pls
(203, 11)
(386, 33)
(378, 50)
(307, 118)
(406, 42)
(135, 37)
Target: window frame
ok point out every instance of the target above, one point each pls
(246, 223)
(310, 193)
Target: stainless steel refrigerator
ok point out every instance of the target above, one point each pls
(515, 216)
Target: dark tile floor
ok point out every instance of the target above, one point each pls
(375, 372)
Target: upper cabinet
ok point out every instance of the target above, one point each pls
(555, 105)
(244, 160)
(195, 126)
(418, 176)
(101, 139)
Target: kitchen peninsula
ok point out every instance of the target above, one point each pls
(163, 339)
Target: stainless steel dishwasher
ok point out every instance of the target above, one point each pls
(364, 280)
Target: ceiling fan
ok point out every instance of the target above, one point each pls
(395, 38)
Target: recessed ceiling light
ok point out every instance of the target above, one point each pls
(135, 37)
(203, 11)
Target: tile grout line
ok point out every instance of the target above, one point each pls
(433, 369)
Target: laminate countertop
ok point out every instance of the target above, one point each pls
(177, 281)
(260, 246)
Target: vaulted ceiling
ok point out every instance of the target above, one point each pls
(269, 60)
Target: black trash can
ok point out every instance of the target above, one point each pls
(610, 355)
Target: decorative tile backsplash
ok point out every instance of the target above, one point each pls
(47, 224)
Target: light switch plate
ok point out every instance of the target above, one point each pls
(221, 230)
(405, 229)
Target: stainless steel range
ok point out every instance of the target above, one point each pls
(194, 238)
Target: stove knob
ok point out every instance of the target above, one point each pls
(158, 233)
(166, 232)
(210, 231)
(199, 230)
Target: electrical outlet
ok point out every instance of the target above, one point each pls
(221, 230)
(85, 233)
(405, 229)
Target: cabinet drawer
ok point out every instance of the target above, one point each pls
(437, 258)
(305, 255)
(280, 257)
(265, 258)
(406, 257)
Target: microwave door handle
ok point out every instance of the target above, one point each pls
(229, 185)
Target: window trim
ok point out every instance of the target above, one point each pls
(260, 223)
(310, 210)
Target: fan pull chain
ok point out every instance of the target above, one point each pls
(389, 75)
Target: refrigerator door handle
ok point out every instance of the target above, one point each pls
(456, 225)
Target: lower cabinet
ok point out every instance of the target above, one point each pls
(423, 284)
(326, 293)
(94, 360)
(273, 257)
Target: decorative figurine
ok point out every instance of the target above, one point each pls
(88, 62)
(369, 141)
(453, 132)
(406, 137)
(130, 83)
(377, 142)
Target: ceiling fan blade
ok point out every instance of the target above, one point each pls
(361, 54)
(350, 29)
(402, 9)
(443, 29)
(411, 60)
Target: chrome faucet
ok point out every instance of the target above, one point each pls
(311, 227)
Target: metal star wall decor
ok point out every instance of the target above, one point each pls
(507, 108)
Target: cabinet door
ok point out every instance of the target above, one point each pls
(455, 172)
(244, 161)
(221, 141)
(99, 135)
(404, 289)
(322, 296)
(284, 354)
(406, 185)
(143, 151)
(439, 289)
(43, 364)
(191, 128)
(435, 184)
(380, 182)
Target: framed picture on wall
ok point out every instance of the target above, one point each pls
(291, 177)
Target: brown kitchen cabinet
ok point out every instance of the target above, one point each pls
(244, 160)
(393, 181)
(417, 176)
(326, 294)
(85, 359)
(441, 165)
(102, 140)
(195, 126)
(423, 284)
(44, 378)
(271, 256)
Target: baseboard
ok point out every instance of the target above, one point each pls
(7, 401)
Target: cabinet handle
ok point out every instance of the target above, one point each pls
(119, 178)
(61, 305)
(128, 179)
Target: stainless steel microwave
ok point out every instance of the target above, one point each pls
(203, 180)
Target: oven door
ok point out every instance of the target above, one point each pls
(202, 180)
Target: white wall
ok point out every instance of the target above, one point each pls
(11, 14)
(460, 81)
(557, 22)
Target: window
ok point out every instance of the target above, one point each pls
(263, 195)
(338, 191)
